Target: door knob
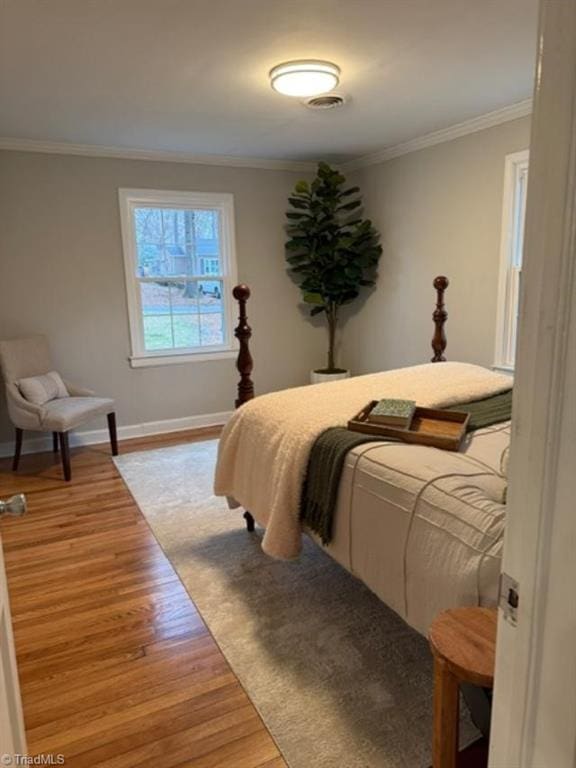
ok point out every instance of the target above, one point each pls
(15, 505)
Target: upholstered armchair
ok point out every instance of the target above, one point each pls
(26, 360)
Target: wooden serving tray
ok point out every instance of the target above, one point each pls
(439, 429)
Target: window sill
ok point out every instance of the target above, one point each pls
(501, 368)
(147, 361)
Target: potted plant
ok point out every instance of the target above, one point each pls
(332, 252)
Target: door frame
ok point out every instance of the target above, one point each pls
(533, 719)
(12, 719)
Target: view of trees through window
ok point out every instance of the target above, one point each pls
(180, 274)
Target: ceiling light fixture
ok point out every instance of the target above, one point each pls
(306, 77)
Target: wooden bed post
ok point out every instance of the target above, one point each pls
(440, 316)
(243, 332)
(244, 363)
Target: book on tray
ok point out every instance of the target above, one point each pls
(394, 413)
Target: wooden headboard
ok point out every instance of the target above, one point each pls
(243, 332)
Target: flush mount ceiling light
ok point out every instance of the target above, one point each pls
(306, 77)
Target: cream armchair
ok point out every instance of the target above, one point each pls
(23, 358)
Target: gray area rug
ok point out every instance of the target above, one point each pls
(338, 678)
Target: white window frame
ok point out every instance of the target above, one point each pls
(513, 214)
(224, 203)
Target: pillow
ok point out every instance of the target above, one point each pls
(504, 461)
(42, 389)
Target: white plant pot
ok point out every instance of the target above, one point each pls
(322, 378)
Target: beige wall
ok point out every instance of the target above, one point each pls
(61, 268)
(61, 273)
(439, 211)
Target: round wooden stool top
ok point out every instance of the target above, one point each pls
(465, 638)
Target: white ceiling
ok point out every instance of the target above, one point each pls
(191, 75)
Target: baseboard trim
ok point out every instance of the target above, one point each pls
(95, 436)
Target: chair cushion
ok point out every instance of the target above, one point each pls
(69, 412)
(42, 389)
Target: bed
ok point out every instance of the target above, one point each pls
(421, 527)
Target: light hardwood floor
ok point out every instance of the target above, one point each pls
(116, 666)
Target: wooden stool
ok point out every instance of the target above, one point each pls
(463, 642)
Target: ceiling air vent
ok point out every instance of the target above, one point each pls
(328, 101)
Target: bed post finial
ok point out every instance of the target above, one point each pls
(440, 316)
(243, 332)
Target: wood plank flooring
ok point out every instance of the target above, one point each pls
(116, 666)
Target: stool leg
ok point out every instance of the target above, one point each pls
(55, 442)
(446, 715)
(17, 449)
(65, 451)
(113, 433)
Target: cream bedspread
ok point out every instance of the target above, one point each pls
(423, 528)
(263, 451)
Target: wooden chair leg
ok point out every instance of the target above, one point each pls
(55, 442)
(65, 451)
(113, 433)
(17, 448)
(446, 716)
(250, 524)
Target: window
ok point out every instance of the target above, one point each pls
(512, 243)
(180, 270)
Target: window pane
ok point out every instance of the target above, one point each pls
(207, 242)
(175, 241)
(211, 329)
(206, 224)
(155, 299)
(211, 312)
(181, 314)
(148, 225)
(186, 330)
(185, 314)
(157, 332)
(174, 226)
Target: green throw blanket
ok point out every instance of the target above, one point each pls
(485, 413)
(320, 489)
(326, 461)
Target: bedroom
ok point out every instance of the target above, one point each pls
(140, 603)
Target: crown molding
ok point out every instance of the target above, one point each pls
(488, 120)
(157, 155)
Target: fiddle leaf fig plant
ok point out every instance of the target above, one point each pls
(332, 252)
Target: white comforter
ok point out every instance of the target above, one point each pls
(424, 528)
(264, 448)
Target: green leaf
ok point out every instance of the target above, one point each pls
(331, 251)
(313, 298)
(349, 206)
(295, 202)
(295, 245)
